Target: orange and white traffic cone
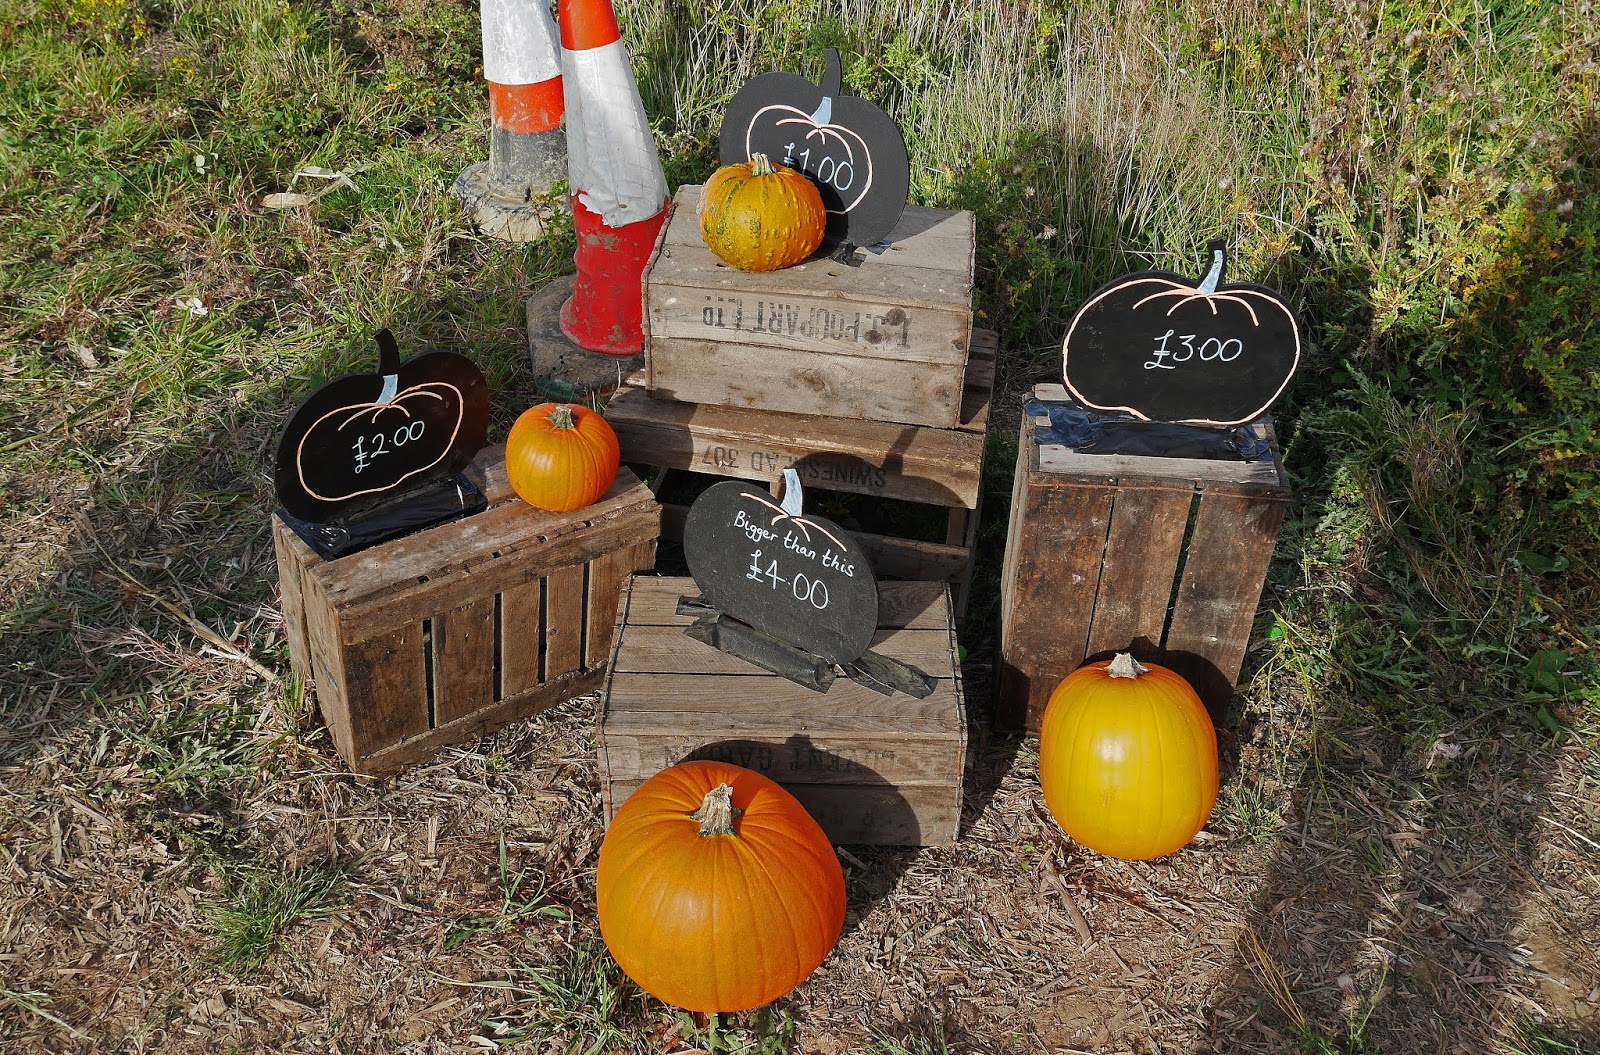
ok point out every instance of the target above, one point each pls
(506, 195)
(619, 193)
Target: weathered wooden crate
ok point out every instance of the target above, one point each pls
(934, 466)
(1166, 556)
(443, 635)
(883, 341)
(870, 768)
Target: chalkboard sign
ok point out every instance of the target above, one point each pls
(848, 147)
(802, 580)
(1165, 348)
(364, 438)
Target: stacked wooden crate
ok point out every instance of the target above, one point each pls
(866, 376)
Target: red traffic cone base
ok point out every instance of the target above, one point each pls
(605, 312)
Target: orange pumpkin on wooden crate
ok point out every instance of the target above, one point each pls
(758, 217)
(717, 891)
(561, 457)
(1128, 759)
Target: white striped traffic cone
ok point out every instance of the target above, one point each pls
(619, 193)
(527, 147)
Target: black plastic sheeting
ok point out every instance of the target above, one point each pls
(1091, 432)
(436, 503)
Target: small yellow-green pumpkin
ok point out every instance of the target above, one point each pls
(757, 217)
(1128, 759)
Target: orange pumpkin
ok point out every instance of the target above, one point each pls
(717, 891)
(760, 218)
(1128, 759)
(561, 457)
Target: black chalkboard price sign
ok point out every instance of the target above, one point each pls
(364, 438)
(1167, 348)
(848, 147)
(801, 580)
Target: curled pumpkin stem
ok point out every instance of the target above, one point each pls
(1125, 666)
(717, 811)
(561, 417)
(760, 164)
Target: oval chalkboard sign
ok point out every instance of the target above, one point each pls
(1166, 348)
(802, 580)
(848, 147)
(362, 438)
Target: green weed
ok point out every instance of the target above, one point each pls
(262, 902)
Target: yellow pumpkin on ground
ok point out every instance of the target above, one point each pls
(1128, 759)
(757, 217)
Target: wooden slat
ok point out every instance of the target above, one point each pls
(294, 557)
(734, 694)
(502, 547)
(667, 650)
(806, 381)
(652, 601)
(1140, 568)
(1111, 467)
(909, 815)
(564, 621)
(521, 638)
(328, 672)
(1053, 554)
(463, 660)
(386, 683)
(832, 755)
(1225, 568)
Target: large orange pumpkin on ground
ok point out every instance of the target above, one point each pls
(760, 217)
(717, 891)
(561, 457)
(1128, 759)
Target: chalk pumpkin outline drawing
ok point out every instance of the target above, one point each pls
(1098, 342)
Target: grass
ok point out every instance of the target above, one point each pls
(1421, 182)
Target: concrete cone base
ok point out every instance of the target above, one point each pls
(508, 219)
(562, 371)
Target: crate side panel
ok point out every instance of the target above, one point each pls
(847, 753)
(513, 708)
(909, 462)
(1140, 568)
(802, 381)
(463, 660)
(909, 815)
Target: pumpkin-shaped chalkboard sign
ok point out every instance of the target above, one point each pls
(1166, 348)
(848, 147)
(364, 438)
(802, 580)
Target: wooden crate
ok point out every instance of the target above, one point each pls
(871, 768)
(448, 633)
(941, 467)
(823, 337)
(1107, 552)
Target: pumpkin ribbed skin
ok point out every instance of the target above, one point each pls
(561, 457)
(760, 217)
(717, 923)
(1128, 765)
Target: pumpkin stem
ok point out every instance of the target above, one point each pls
(716, 812)
(561, 417)
(760, 164)
(1219, 256)
(1125, 666)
